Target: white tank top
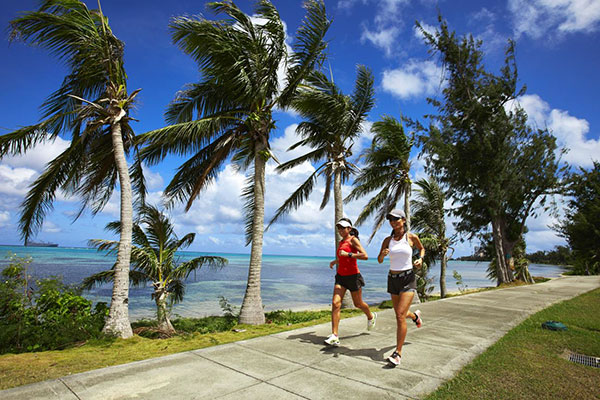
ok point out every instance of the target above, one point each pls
(400, 254)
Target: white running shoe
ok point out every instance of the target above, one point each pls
(418, 321)
(395, 358)
(332, 340)
(371, 322)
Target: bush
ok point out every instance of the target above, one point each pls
(45, 314)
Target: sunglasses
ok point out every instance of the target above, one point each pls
(341, 227)
(392, 218)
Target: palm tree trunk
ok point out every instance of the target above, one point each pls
(162, 314)
(443, 265)
(117, 323)
(339, 214)
(252, 311)
(407, 192)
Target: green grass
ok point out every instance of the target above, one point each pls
(25, 368)
(528, 362)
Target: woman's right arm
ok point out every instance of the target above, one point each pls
(384, 249)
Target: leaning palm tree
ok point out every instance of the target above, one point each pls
(91, 106)
(386, 170)
(239, 58)
(154, 260)
(429, 221)
(333, 122)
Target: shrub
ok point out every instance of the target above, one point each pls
(45, 314)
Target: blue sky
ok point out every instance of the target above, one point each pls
(558, 55)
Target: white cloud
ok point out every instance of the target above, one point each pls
(538, 17)
(4, 219)
(383, 38)
(569, 131)
(50, 227)
(15, 181)
(37, 157)
(153, 179)
(417, 78)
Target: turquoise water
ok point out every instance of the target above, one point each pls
(288, 282)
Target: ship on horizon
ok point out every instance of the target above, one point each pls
(40, 244)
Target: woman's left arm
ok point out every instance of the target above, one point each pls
(416, 242)
(362, 253)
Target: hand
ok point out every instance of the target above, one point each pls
(331, 264)
(344, 253)
(385, 252)
(418, 263)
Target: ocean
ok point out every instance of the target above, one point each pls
(288, 282)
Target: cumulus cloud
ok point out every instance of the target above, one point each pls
(570, 131)
(536, 18)
(383, 38)
(153, 179)
(50, 227)
(15, 181)
(417, 78)
(37, 157)
(4, 219)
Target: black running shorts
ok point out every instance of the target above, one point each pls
(350, 282)
(401, 282)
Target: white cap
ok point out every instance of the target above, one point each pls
(344, 223)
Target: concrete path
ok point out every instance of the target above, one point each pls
(297, 365)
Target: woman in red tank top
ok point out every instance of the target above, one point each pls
(348, 277)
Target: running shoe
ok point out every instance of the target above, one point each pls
(395, 358)
(418, 321)
(371, 322)
(332, 340)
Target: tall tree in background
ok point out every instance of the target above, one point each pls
(581, 224)
(92, 107)
(333, 123)
(239, 62)
(480, 146)
(386, 170)
(154, 261)
(429, 221)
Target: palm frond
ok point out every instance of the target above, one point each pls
(60, 173)
(184, 270)
(199, 171)
(308, 48)
(249, 207)
(185, 138)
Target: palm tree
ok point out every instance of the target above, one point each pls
(92, 107)
(386, 170)
(428, 220)
(154, 260)
(238, 61)
(334, 122)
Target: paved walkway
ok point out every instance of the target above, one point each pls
(296, 364)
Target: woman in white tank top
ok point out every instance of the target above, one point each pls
(402, 282)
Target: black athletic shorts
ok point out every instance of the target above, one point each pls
(350, 282)
(399, 282)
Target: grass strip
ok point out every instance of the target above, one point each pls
(26, 368)
(529, 362)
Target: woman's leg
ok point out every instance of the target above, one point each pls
(401, 304)
(359, 303)
(336, 306)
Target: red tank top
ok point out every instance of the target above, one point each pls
(346, 265)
